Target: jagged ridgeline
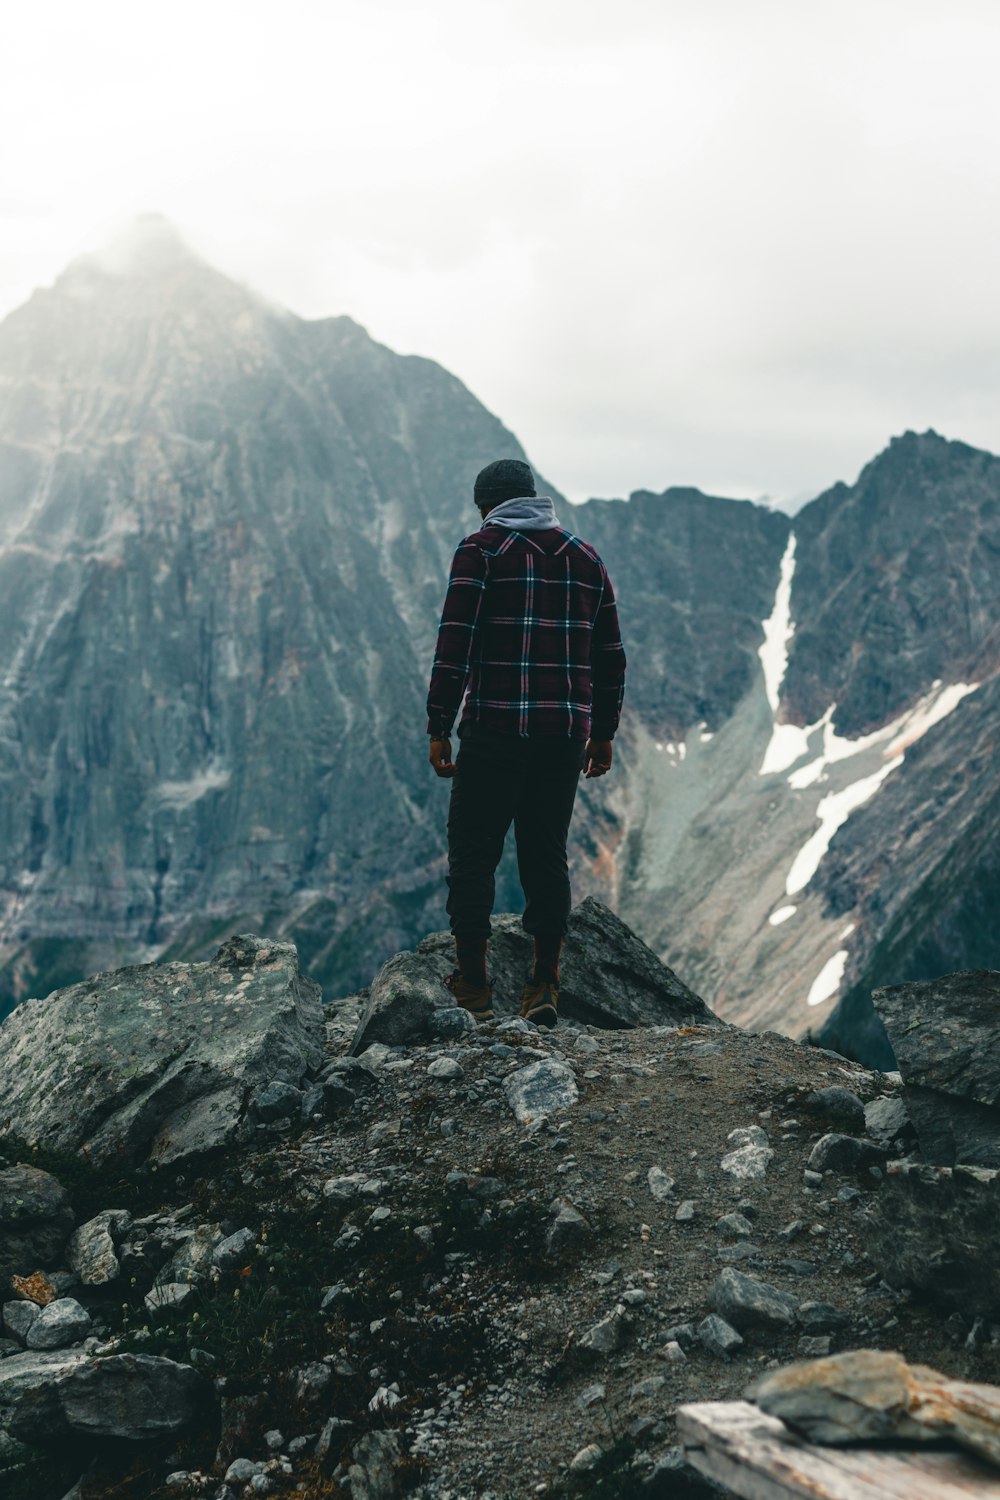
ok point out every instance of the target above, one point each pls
(224, 534)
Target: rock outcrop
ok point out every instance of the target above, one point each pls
(873, 1395)
(935, 1229)
(608, 978)
(159, 1062)
(945, 1034)
(35, 1216)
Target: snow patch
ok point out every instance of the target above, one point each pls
(778, 630)
(827, 981)
(833, 811)
(182, 794)
(781, 915)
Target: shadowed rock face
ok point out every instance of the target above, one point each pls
(157, 1062)
(945, 1034)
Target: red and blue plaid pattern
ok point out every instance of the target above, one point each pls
(530, 624)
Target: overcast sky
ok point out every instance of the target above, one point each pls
(736, 245)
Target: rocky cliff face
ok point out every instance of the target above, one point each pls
(224, 533)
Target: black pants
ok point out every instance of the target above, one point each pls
(500, 779)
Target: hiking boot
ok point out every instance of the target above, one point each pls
(539, 999)
(475, 998)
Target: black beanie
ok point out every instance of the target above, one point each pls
(506, 479)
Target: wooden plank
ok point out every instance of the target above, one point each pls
(758, 1457)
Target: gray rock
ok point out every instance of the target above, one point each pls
(586, 1459)
(18, 1318)
(192, 1260)
(608, 977)
(329, 1443)
(887, 1120)
(234, 1249)
(814, 1346)
(241, 1470)
(445, 1068)
(719, 1337)
(870, 1395)
(541, 1089)
(821, 1317)
(746, 1302)
(154, 1062)
(122, 1396)
(313, 1105)
(844, 1153)
(735, 1226)
(935, 1229)
(837, 1103)
(450, 1022)
(567, 1228)
(35, 1216)
(59, 1323)
(751, 1153)
(607, 1336)
(91, 1249)
(661, 1185)
(168, 1294)
(686, 1211)
(946, 1041)
(374, 1472)
(24, 1372)
(276, 1100)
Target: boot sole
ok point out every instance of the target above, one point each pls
(543, 1015)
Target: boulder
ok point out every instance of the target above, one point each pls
(35, 1220)
(609, 978)
(934, 1229)
(133, 1396)
(844, 1153)
(746, 1302)
(156, 1062)
(21, 1373)
(946, 1040)
(91, 1251)
(873, 1395)
(59, 1323)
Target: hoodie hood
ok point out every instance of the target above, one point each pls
(525, 513)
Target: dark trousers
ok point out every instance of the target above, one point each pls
(499, 780)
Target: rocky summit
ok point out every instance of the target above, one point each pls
(224, 537)
(461, 1261)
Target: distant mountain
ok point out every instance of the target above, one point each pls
(224, 534)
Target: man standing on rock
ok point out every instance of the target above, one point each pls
(530, 625)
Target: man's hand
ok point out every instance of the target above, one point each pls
(441, 758)
(597, 758)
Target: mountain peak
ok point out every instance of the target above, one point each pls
(149, 245)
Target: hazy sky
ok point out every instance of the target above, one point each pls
(728, 244)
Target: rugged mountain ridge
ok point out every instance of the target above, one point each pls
(224, 533)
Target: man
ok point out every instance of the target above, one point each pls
(530, 624)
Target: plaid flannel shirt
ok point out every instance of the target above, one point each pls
(530, 624)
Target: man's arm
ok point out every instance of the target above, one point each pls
(453, 653)
(607, 675)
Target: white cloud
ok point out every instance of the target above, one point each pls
(701, 243)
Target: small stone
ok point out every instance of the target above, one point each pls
(838, 1103)
(91, 1249)
(814, 1346)
(234, 1249)
(177, 1478)
(748, 1161)
(450, 1021)
(812, 1179)
(59, 1323)
(445, 1068)
(719, 1337)
(734, 1225)
(887, 1121)
(240, 1471)
(742, 1250)
(276, 1101)
(588, 1458)
(746, 1302)
(660, 1184)
(590, 1396)
(18, 1318)
(650, 1385)
(540, 1089)
(607, 1336)
(568, 1228)
(672, 1352)
(791, 1231)
(169, 1294)
(844, 1153)
(821, 1317)
(685, 1212)
(343, 1189)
